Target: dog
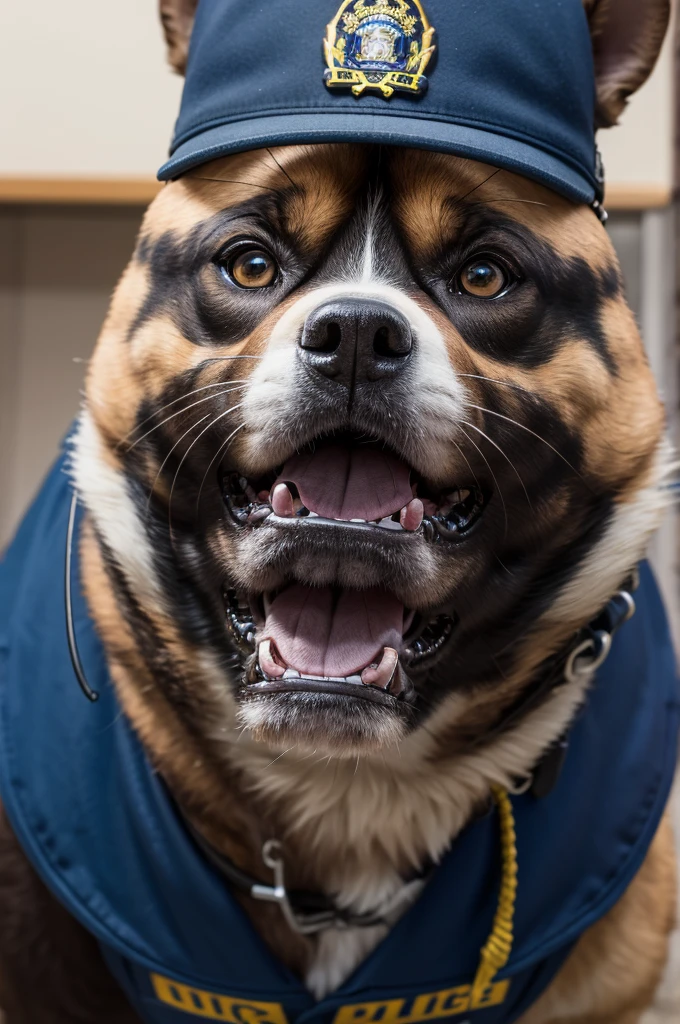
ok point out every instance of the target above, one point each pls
(369, 438)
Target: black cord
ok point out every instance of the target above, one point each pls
(70, 629)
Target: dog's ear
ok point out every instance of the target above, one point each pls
(177, 17)
(627, 36)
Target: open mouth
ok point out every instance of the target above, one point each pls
(357, 642)
(353, 484)
(329, 639)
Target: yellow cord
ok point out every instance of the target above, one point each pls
(496, 952)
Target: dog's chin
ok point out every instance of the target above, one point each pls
(327, 724)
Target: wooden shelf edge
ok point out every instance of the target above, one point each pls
(637, 197)
(140, 191)
(79, 191)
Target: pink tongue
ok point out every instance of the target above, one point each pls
(349, 482)
(331, 633)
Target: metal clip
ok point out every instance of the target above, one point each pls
(303, 924)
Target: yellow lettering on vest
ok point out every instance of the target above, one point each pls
(494, 995)
(430, 1006)
(452, 1001)
(213, 1006)
(371, 1013)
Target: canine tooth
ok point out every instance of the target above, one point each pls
(266, 661)
(381, 675)
(282, 501)
(412, 514)
(357, 520)
(291, 673)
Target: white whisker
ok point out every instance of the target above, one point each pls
(493, 476)
(165, 460)
(506, 457)
(210, 425)
(206, 398)
(494, 380)
(219, 451)
(529, 431)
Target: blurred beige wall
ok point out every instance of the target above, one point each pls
(84, 88)
(57, 269)
(640, 151)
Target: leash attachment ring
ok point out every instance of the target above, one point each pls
(587, 656)
(306, 922)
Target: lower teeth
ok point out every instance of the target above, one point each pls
(430, 641)
(243, 631)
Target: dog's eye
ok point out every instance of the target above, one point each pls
(483, 278)
(249, 267)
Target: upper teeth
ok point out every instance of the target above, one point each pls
(286, 506)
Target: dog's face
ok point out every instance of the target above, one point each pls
(369, 434)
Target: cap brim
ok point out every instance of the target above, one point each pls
(387, 129)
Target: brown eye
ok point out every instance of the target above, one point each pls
(483, 278)
(251, 268)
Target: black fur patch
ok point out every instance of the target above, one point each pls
(186, 284)
(554, 299)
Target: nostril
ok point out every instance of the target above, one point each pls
(391, 343)
(381, 342)
(333, 337)
(321, 335)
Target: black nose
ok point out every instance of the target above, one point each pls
(353, 341)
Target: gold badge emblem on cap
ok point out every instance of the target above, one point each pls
(384, 45)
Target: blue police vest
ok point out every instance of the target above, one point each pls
(101, 830)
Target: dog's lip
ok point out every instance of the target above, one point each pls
(343, 687)
(453, 519)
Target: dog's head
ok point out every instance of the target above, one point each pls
(369, 433)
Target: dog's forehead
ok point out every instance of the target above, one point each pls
(313, 190)
(434, 194)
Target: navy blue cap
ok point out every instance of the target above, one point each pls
(510, 83)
